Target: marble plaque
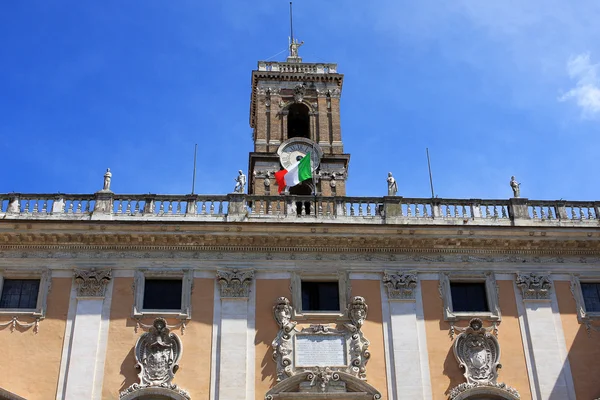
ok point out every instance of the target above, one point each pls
(320, 351)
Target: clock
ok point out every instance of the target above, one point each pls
(293, 150)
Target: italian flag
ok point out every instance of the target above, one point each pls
(299, 172)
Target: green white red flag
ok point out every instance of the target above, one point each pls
(299, 172)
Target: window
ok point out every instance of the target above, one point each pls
(20, 293)
(468, 295)
(163, 292)
(586, 291)
(298, 122)
(320, 296)
(24, 292)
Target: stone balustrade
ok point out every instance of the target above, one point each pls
(303, 68)
(241, 207)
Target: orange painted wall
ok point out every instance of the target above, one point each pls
(583, 350)
(194, 370)
(373, 331)
(36, 356)
(267, 291)
(445, 373)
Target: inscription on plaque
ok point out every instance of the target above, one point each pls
(320, 351)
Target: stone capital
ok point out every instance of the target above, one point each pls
(92, 282)
(534, 286)
(235, 283)
(400, 286)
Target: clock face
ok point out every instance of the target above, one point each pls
(293, 152)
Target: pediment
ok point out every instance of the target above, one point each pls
(321, 385)
(6, 395)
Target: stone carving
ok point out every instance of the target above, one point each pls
(92, 282)
(534, 286)
(465, 390)
(392, 185)
(356, 345)
(515, 186)
(400, 286)
(299, 92)
(235, 283)
(478, 353)
(294, 46)
(240, 182)
(282, 311)
(107, 179)
(157, 353)
(357, 311)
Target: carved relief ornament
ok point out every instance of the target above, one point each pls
(477, 351)
(400, 286)
(92, 282)
(534, 286)
(157, 354)
(234, 283)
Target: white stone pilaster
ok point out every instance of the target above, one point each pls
(405, 344)
(234, 363)
(86, 336)
(546, 356)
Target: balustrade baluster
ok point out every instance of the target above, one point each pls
(70, 209)
(535, 214)
(220, 207)
(212, 207)
(35, 206)
(581, 212)
(590, 213)
(351, 209)
(78, 207)
(448, 215)
(161, 208)
(120, 207)
(369, 209)
(543, 212)
(203, 207)
(137, 207)
(170, 208)
(26, 206)
(409, 210)
(128, 208)
(417, 210)
(44, 206)
(425, 212)
(573, 216)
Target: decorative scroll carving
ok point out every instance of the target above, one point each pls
(157, 353)
(478, 352)
(357, 311)
(235, 283)
(534, 286)
(400, 286)
(92, 282)
(353, 345)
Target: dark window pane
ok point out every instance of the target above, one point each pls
(20, 293)
(591, 296)
(320, 296)
(468, 297)
(162, 294)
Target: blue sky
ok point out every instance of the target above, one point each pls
(493, 88)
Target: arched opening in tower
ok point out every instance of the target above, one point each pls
(298, 121)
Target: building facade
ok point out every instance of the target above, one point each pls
(303, 294)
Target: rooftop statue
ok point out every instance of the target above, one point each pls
(294, 45)
(392, 185)
(516, 187)
(107, 178)
(240, 182)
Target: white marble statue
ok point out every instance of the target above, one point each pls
(516, 187)
(107, 178)
(392, 185)
(240, 182)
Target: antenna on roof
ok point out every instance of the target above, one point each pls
(430, 176)
(194, 175)
(294, 44)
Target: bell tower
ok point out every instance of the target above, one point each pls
(295, 109)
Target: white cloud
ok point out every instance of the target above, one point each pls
(586, 92)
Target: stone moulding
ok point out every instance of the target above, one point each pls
(400, 285)
(92, 282)
(534, 286)
(157, 355)
(234, 283)
(356, 346)
(478, 353)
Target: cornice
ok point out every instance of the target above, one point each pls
(307, 243)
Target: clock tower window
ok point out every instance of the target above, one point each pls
(298, 121)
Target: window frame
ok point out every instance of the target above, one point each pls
(491, 291)
(187, 278)
(342, 278)
(583, 316)
(45, 278)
